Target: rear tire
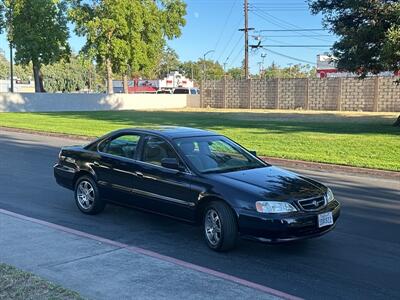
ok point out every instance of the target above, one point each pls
(220, 226)
(87, 196)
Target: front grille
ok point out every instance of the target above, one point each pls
(314, 203)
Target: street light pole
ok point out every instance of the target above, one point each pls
(204, 62)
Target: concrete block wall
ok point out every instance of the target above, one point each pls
(346, 94)
(323, 94)
(264, 93)
(358, 95)
(389, 95)
(237, 94)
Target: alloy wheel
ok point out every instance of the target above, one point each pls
(85, 194)
(213, 227)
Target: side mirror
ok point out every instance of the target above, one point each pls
(253, 153)
(170, 163)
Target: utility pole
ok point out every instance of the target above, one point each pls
(246, 39)
(246, 30)
(11, 47)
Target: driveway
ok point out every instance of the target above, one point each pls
(358, 260)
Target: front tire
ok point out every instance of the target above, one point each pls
(220, 226)
(87, 196)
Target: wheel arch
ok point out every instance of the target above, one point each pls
(81, 173)
(205, 200)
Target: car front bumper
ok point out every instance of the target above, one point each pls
(285, 227)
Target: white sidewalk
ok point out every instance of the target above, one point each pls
(102, 269)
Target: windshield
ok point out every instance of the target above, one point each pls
(217, 154)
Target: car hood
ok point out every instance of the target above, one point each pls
(273, 183)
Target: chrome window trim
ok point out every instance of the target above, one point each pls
(187, 171)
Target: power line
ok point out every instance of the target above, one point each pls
(237, 56)
(290, 57)
(291, 46)
(284, 24)
(226, 22)
(288, 36)
(230, 40)
(290, 30)
(234, 48)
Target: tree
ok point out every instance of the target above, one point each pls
(168, 62)
(74, 74)
(39, 34)
(21, 72)
(235, 73)
(4, 67)
(127, 35)
(369, 33)
(295, 71)
(367, 30)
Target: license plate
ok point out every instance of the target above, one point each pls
(325, 219)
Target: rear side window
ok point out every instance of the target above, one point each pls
(123, 146)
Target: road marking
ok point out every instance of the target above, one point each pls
(156, 255)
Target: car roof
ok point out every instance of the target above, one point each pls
(171, 132)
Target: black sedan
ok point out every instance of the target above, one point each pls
(201, 177)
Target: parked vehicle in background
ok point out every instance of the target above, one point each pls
(188, 91)
(139, 85)
(164, 92)
(201, 177)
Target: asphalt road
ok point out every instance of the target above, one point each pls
(360, 259)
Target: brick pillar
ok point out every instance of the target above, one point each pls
(224, 91)
(339, 95)
(249, 92)
(277, 93)
(307, 95)
(376, 94)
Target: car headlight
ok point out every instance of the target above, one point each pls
(329, 195)
(274, 207)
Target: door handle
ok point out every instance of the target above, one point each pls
(139, 174)
(96, 163)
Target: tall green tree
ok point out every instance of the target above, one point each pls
(74, 74)
(191, 69)
(368, 32)
(39, 34)
(235, 73)
(127, 35)
(169, 61)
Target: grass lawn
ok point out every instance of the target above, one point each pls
(16, 284)
(355, 139)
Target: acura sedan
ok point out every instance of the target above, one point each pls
(201, 177)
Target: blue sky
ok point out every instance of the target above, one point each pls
(214, 24)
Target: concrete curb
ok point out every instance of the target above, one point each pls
(299, 164)
(289, 163)
(273, 293)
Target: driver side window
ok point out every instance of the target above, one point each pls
(156, 149)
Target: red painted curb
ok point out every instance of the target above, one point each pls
(156, 255)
